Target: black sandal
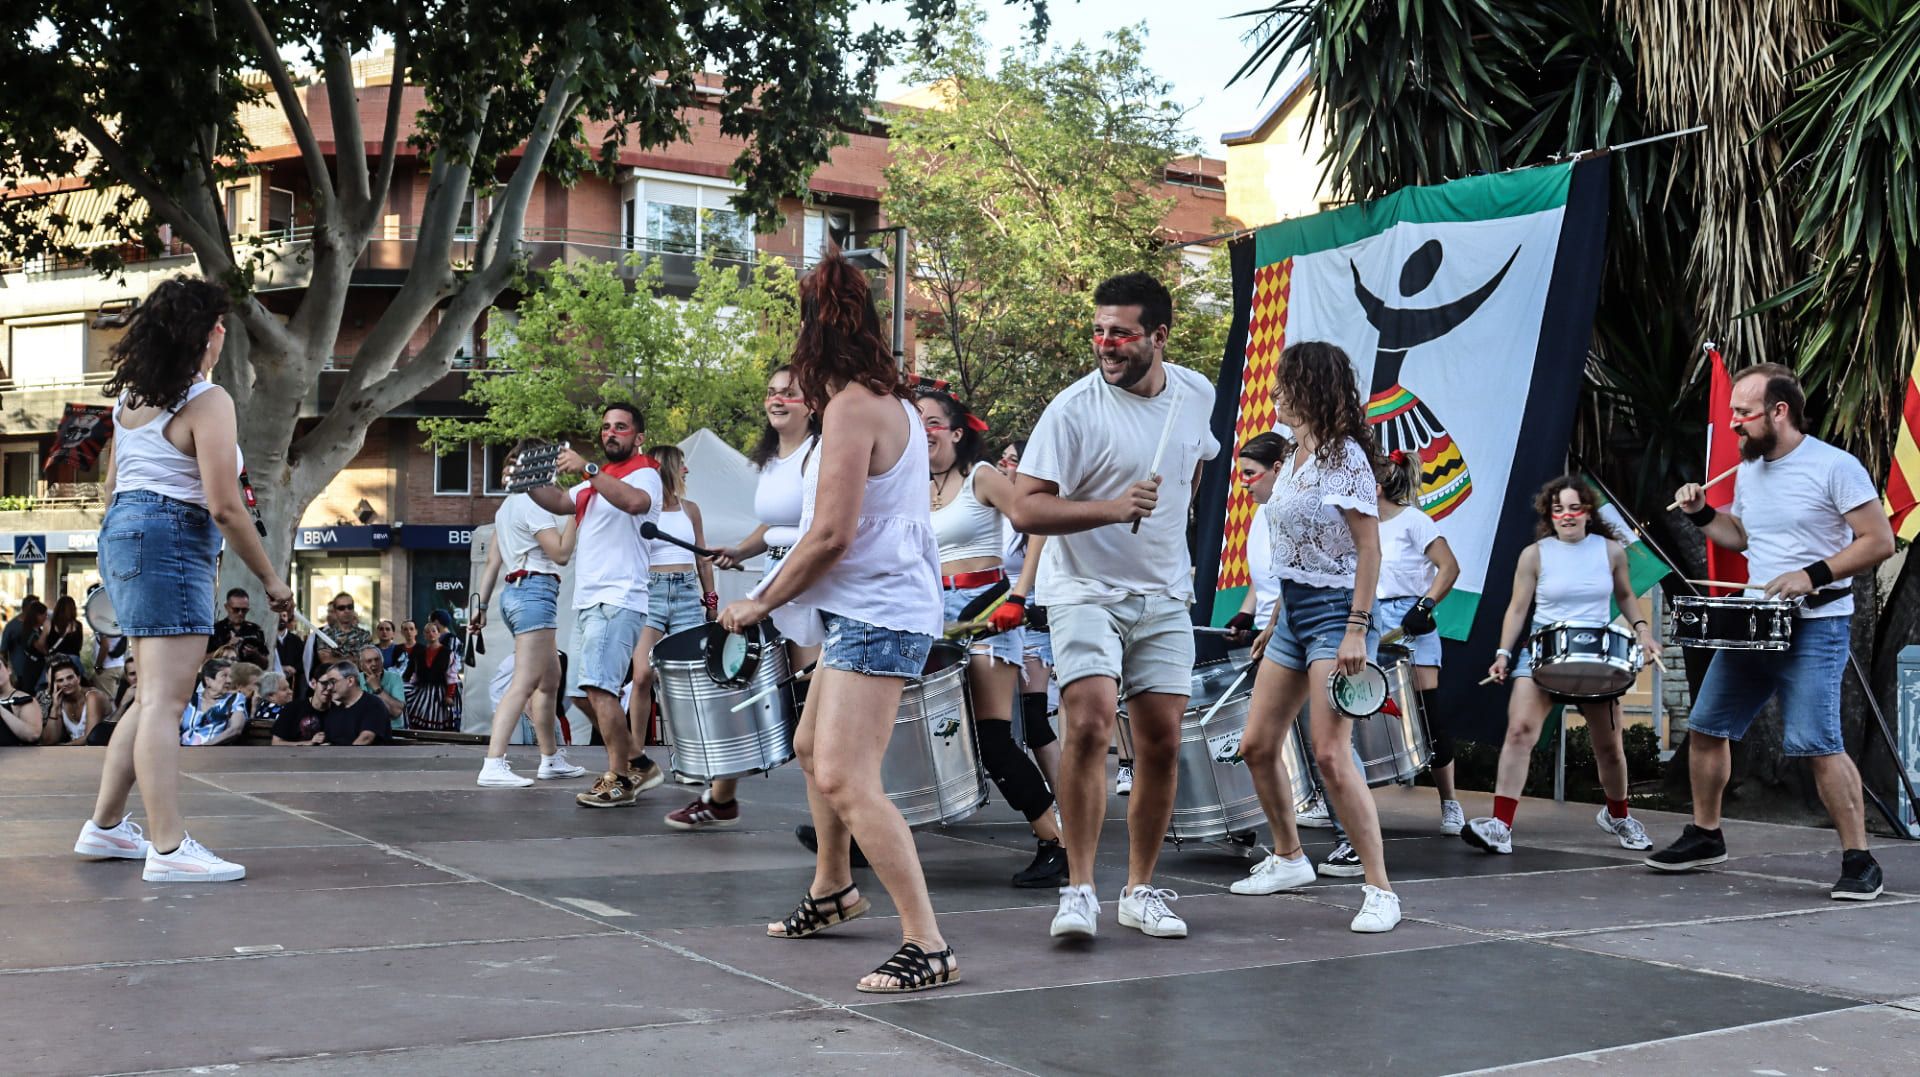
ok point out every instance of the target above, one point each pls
(912, 970)
(816, 914)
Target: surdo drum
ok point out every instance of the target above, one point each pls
(699, 681)
(931, 770)
(1579, 661)
(1733, 623)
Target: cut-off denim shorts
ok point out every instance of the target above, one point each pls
(530, 604)
(157, 562)
(1008, 647)
(1387, 613)
(1806, 678)
(673, 602)
(1312, 622)
(873, 651)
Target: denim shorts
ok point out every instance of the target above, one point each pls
(872, 651)
(1038, 644)
(1521, 664)
(1807, 677)
(531, 604)
(157, 562)
(1145, 642)
(604, 637)
(1387, 613)
(1008, 647)
(673, 602)
(1312, 622)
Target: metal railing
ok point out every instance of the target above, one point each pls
(56, 495)
(91, 379)
(130, 254)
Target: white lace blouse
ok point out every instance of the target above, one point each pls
(1311, 541)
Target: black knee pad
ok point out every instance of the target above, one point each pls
(1437, 732)
(1012, 771)
(1035, 721)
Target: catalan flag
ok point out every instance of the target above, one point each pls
(1903, 479)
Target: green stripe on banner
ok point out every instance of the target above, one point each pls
(1476, 198)
(1226, 603)
(1453, 617)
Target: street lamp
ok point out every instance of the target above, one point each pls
(875, 259)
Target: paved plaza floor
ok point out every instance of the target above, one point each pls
(396, 919)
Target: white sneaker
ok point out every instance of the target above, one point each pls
(1274, 874)
(1631, 834)
(123, 841)
(556, 766)
(1123, 781)
(191, 863)
(1489, 834)
(498, 774)
(1079, 915)
(1314, 815)
(1380, 912)
(1146, 908)
(1453, 818)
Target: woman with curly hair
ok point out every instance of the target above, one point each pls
(1571, 574)
(1323, 518)
(864, 581)
(173, 492)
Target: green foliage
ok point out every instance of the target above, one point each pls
(14, 503)
(1476, 765)
(592, 333)
(1038, 179)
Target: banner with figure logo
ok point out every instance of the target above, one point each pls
(1466, 309)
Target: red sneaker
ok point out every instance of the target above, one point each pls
(699, 815)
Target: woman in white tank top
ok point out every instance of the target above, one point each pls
(173, 491)
(1573, 573)
(866, 574)
(680, 592)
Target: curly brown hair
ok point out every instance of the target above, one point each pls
(1549, 495)
(840, 338)
(157, 359)
(1318, 381)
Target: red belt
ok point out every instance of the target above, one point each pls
(972, 579)
(516, 577)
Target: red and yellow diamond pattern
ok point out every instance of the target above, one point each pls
(1266, 336)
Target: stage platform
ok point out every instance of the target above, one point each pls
(396, 919)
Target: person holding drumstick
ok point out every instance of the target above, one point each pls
(1323, 517)
(865, 580)
(1809, 519)
(1571, 574)
(680, 592)
(173, 492)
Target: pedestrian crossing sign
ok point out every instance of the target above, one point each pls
(29, 549)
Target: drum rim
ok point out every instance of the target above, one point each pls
(1334, 677)
(1738, 602)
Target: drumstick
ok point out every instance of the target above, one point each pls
(961, 628)
(1709, 484)
(1166, 432)
(1486, 681)
(772, 688)
(315, 629)
(1224, 696)
(1392, 637)
(1720, 583)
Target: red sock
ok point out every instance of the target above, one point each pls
(1504, 807)
(1617, 809)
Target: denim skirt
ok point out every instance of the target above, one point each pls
(157, 562)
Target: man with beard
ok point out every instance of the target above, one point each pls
(1117, 599)
(1809, 519)
(610, 585)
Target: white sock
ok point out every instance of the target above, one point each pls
(549, 758)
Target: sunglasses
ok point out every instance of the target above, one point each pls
(348, 608)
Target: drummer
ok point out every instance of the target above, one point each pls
(1039, 695)
(1570, 574)
(1326, 551)
(967, 497)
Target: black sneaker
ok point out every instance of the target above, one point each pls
(1694, 848)
(1342, 863)
(1048, 870)
(811, 840)
(1860, 878)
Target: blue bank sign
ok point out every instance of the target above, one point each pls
(375, 537)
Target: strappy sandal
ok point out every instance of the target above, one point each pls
(912, 970)
(816, 914)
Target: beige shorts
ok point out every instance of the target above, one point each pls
(1143, 642)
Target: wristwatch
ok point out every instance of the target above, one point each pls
(592, 470)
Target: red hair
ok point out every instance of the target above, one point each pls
(840, 338)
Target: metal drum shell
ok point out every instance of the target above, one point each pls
(1394, 748)
(931, 770)
(1215, 798)
(1732, 622)
(1578, 661)
(707, 738)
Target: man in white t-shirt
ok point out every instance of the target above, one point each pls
(1809, 519)
(610, 589)
(1117, 598)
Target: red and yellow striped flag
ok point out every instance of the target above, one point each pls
(1903, 479)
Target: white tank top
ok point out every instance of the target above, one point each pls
(967, 527)
(677, 523)
(143, 458)
(1576, 582)
(777, 499)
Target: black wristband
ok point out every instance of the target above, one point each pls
(1820, 574)
(1704, 516)
(1019, 601)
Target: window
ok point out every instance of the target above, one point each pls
(280, 212)
(824, 226)
(453, 471)
(502, 331)
(240, 215)
(22, 473)
(48, 354)
(495, 467)
(468, 227)
(673, 217)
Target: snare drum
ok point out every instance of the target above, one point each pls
(931, 770)
(1733, 623)
(1580, 661)
(709, 739)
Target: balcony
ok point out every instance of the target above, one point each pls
(56, 506)
(37, 407)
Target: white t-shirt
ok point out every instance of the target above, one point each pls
(1312, 543)
(1094, 441)
(1404, 568)
(1266, 586)
(611, 566)
(514, 528)
(1794, 510)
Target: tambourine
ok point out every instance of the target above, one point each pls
(733, 658)
(1361, 695)
(99, 612)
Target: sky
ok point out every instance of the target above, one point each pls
(1193, 44)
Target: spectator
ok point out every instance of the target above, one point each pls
(111, 657)
(124, 698)
(432, 687)
(385, 685)
(409, 638)
(343, 624)
(245, 676)
(289, 651)
(392, 651)
(64, 634)
(294, 722)
(348, 716)
(236, 628)
(25, 643)
(73, 709)
(216, 714)
(22, 722)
